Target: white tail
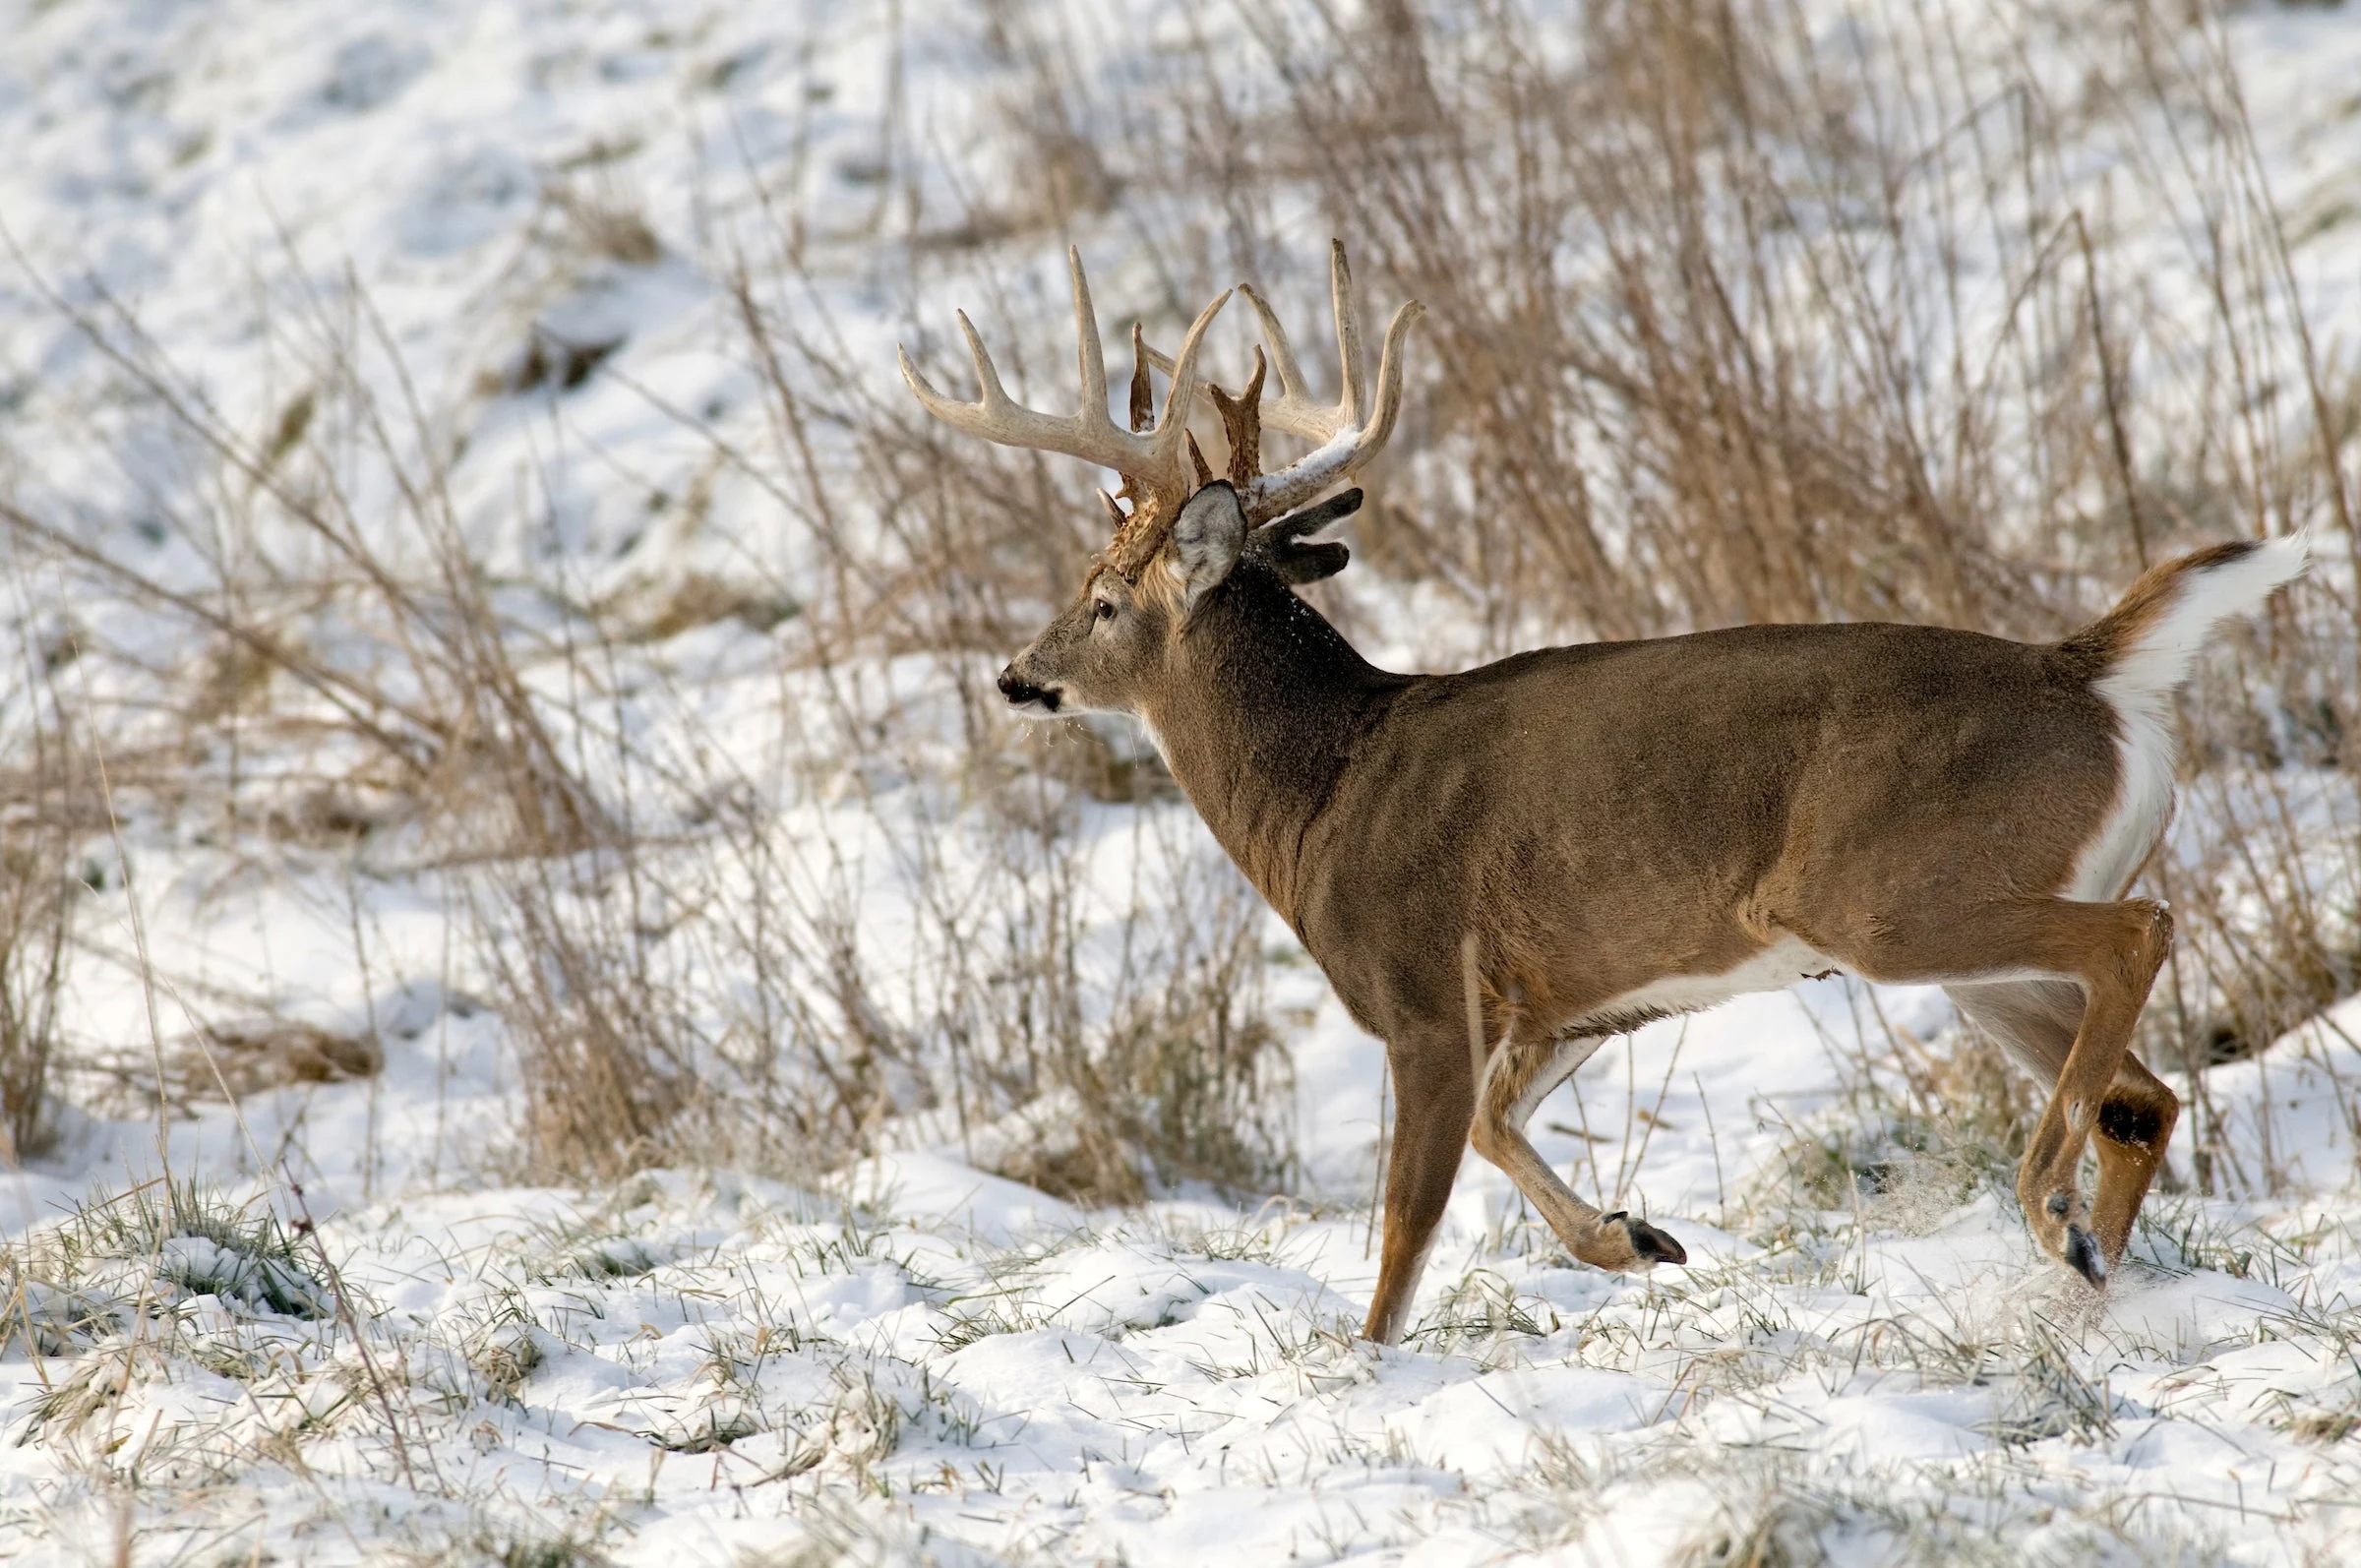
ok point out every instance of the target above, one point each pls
(2150, 641)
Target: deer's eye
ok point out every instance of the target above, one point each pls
(1106, 609)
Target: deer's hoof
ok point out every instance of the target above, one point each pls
(2083, 1253)
(1650, 1245)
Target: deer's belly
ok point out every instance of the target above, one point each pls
(1775, 968)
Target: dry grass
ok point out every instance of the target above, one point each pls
(1728, 321)
(43, 816)
(1732, 323)
(1727, 324)
(1733, 320)
(684, 977)
(35, 916)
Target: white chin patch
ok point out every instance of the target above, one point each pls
(1051, 706)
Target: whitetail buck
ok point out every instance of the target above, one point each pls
(1499, 868)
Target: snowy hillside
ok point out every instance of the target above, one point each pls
(549, 1015)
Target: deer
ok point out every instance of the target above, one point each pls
(1499, 868)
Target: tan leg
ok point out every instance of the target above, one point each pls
(1520, 1075)
(2135, 1124)
(2035, 1021)
(2113, 950)
(2116, 967)
(1430, 1131)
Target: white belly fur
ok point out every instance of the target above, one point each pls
(1775, 968)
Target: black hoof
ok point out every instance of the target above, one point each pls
(2083, 1252)
(1651, 1243)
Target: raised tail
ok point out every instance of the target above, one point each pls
(2144, 646)
(2135, 657)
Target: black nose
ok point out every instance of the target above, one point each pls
(1020, 692)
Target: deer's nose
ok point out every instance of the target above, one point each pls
(1021, 692)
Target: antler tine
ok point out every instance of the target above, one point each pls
(991, 393)
(1392, 359)
(1089, 353)
(1295, 410)
(1241, 422)
(934, 402)
(1184, 387)
(996, 416)
(1283, 356)
(1354, 401)
(1345, 447)
(1370, 424)
(1157, 464)
(1143, 389)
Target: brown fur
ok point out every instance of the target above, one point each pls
(1907, 800)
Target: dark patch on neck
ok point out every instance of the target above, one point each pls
(1281, 634)
(1277, 700)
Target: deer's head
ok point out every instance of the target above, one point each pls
(1179, 534)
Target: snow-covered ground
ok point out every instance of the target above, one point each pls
(923, 1362)
(362, 1339)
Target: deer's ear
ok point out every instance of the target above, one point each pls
(1207, 536)
(1281, 544)
(1308, 563)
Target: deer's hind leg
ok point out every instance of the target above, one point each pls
(2113, 950)
(2135, 1124)
(1517, 1077)
(2035, 1021)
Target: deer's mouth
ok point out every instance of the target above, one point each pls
(1041, 701)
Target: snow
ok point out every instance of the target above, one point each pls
(905, 1357)
(924, 1354)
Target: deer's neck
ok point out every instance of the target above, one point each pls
(1260, 724)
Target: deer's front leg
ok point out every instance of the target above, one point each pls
(1518, 1076)
(1431, 1104)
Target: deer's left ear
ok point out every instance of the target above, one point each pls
(1281, 544)
(1207, 536)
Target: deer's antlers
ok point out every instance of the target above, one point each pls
(1346, 434)
(1162, 467)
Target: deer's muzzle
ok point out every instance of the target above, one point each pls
(1023, 694)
